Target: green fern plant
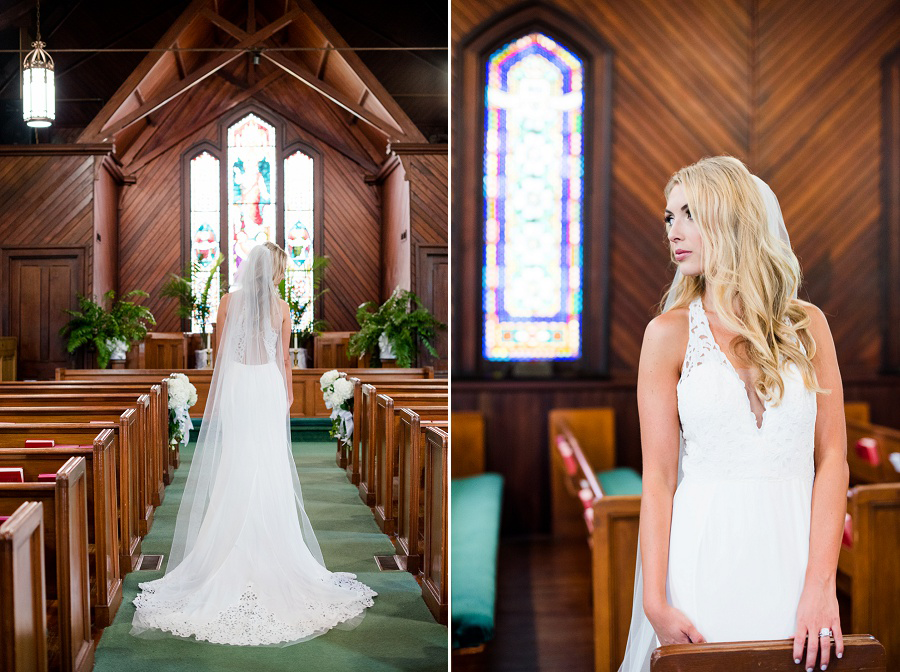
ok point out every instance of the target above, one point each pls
(404, 321)
(93, 326)
(191, 305)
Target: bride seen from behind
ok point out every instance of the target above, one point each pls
(741, 524)
(245, 566)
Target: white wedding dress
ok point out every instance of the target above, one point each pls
(739, 539)
(245, 567)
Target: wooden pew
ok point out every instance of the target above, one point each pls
(23, 591)
(308, 400)
(66, 561)
(102, 501)
(8, 357)
(348, 456)
(149, 426)
(869, 451)
(410, 526)
(159, 404)
(434, 575)
(385, 458)
(162, 350)
(367, 438)
(595, 430)
(867, 566)
(87, 423)
(468, 436)
(861, 652)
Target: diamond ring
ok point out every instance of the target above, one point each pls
(825, 632)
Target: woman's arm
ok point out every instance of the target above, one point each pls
(285, 349)
(658, 372)
(221, 314)
(818, 606)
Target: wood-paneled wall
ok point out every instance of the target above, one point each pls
(428, 199)
(150, 227)
(793, 88)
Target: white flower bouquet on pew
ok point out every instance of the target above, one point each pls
(182, 395)
(337, 392)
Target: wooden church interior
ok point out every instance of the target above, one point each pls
(107, 197)
(807, 94)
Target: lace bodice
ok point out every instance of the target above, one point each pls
(721, 437)
(247, 346)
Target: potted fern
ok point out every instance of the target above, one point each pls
(107, 332)
(394, 328)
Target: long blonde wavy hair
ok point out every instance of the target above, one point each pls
(752, 275)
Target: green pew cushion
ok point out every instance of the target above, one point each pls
(474, 537)
(620, 481)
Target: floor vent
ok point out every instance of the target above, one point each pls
(388, 563)
(150, 563)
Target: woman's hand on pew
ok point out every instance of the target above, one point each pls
(818, 609)
(672, 626)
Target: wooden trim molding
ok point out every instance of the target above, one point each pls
(417, 148)
(467, 202)
(92, 149)
(890, 197)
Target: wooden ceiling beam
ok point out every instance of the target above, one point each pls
(387, 126)
(92, 131)
(371, 82)
(175, 139)
(197, 76)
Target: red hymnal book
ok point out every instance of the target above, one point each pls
(867, 449)
(44, 478)
(40, 443)
(3, 519)
(847, 537)
(12, 475)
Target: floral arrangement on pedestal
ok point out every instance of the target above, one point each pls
(182, 395)
(338, 394)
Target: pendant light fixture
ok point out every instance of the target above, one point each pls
(38, 88)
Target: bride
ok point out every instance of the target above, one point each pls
(740, 527)
(245, 567)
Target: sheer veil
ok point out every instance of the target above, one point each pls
(250, 337)
(642, 639)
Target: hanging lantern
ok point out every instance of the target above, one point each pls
(38, 88)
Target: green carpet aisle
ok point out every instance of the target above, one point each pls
(398, 633)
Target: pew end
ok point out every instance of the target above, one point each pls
(23, 590)
(861, 652)
(595, 431)
(467, 444)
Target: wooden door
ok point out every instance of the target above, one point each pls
(432, 286)
(38, 285)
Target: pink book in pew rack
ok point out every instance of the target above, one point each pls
(40, 443)
(47, 478)
(12, 475)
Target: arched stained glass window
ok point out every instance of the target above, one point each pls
(533, 209)
(205, 218)
(251, 188)
(299, 225)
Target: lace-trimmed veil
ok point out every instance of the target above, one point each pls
(641, 636)
(251, 336)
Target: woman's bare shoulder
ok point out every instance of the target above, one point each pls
(666, 336)
(818, 323)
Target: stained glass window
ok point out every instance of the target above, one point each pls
(533, 182)
(299, 211)
(205, 230)
(251, 190)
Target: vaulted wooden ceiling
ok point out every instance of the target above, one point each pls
(124, 96)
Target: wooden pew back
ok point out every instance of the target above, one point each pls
(23, 616)
(592, 431)
(66, 558)
(411, 442)
(468, 432)
(869, 450)
(102, 501)
(434, 579)
(428, 407)
(861, 652)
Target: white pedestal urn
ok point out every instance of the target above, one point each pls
(118, 347)
(385, 351)
(200, 359)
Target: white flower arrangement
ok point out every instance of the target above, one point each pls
(337, 392)
(182, 395)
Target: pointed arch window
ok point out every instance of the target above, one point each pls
(533, 211)
(236, 198)
(531, 222)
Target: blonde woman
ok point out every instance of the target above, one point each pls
(245, 567)
(742, 431)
